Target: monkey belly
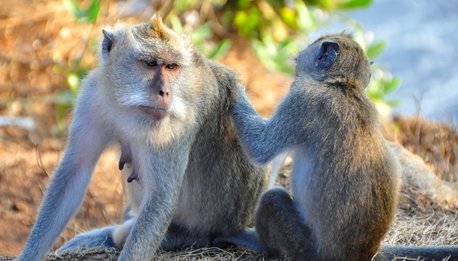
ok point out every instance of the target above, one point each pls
(189, 203)
(302, 173)
(205, 207)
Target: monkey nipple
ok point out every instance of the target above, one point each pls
(126, 157)
(121, 164)
(133, 176)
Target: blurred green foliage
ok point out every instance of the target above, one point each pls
(331, 5)
(75, 71)
(277, 31)
(88, 14)
(201, 39)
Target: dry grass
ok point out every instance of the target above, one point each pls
(205, 254)
(420, 221)
(436, 143)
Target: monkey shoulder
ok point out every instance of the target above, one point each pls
(92, 105)
(225, 77)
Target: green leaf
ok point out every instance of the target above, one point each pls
(61, 112)
(289, 17)
(64, 98)
(202, 33)
(88, 15)
(304, 17)
(93, 11)
(391, 85)
(375, 49)
(248, 21)
(375, 91)
(242, 4)
(176, 23)
(64, 102)
(221, 49)
(182, 5)
(275, 4)
(73, 82)
(347, 4)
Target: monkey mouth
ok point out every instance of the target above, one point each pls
(156, 113)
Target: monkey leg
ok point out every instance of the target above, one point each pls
(98, 238)
(179, 237)
(106, 237)
(247, 239)
(281, 228)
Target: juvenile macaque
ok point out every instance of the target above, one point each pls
(345, 178)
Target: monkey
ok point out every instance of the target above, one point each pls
(188, 179)
(342, 164)
(345, 177)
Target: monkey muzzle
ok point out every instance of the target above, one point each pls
(157, 113)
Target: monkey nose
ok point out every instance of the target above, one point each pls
(163, 98)
(163, 93)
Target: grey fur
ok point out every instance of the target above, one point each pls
(345, 179)
(190, 170)
(98, 238)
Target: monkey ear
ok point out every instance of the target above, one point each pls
(327, 54)
(107, 43)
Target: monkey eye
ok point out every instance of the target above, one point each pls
(151, 63)
(171, 66)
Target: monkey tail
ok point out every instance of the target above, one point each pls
(393, 252)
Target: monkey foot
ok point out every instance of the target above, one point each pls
(98, 238)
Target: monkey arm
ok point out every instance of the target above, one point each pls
(86, 142)
(262, 139)
(161, 173)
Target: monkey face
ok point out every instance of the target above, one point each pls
(335, 59)
(146, 66)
